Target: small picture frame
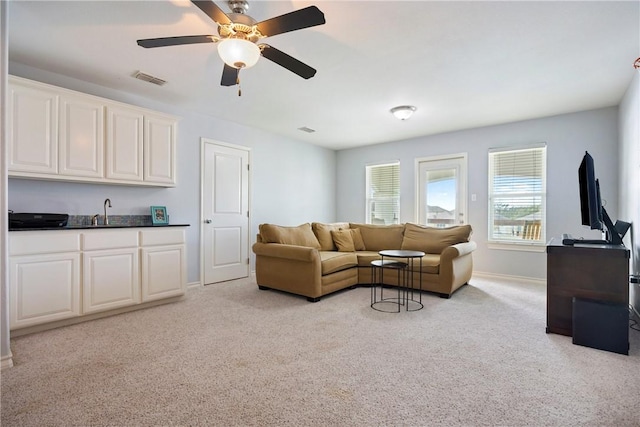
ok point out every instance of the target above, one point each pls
(159, 215)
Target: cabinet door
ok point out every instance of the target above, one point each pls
(81, 137)
(159, 149)
(33, 129)
(110, 279)
(43, 288)
(163, 272)
(124, 143)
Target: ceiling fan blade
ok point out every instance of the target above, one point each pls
(229, 76)
(288, 62)
(174, 41)
(212, 11)
(297, 20)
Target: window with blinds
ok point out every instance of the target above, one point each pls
(383, 193)
(517, 194)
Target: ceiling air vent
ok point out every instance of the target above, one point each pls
(306, 129)
(149, 78)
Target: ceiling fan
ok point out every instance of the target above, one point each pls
(239, 34)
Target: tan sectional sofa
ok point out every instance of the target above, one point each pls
(317, 259)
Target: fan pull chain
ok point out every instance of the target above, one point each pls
(238, 83)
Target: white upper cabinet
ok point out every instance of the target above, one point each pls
(124, 143)
(60, 134)
(33, 129)
(81, 151)
(159, 149)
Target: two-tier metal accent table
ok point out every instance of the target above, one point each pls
(403, 263)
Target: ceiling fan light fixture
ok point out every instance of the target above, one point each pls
(403, 112)
(238, 53)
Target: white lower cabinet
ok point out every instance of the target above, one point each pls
(43, 288)
(111, 273)
(163, 272)
(111, 279)
(56, 275)
(163, 263)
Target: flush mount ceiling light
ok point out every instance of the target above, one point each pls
(403, 112)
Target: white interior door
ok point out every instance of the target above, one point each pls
(225, 213)
(442, 190)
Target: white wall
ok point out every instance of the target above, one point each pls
(629, 173)
(567, 137)
(291, 181)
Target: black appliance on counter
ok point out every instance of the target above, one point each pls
(37, 220)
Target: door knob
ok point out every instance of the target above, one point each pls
(207, 221)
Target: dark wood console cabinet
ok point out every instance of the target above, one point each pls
(595, 272)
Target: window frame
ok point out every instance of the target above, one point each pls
(368, 191)
(519, 243)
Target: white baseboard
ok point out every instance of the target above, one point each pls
(193, 285)
(486, 275)
(6, 361)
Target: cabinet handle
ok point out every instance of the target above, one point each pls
(207, 221)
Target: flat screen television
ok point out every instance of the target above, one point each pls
(590, 201)
(593, 213)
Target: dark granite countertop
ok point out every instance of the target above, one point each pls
(98, 227)
(83, 222)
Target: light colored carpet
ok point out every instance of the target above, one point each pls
(230, 354)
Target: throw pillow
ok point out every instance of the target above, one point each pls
(343, 240)
(323, 233)
(433, 240)
(358, 243)
(299, 236)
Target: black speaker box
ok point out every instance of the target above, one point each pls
(601, 324)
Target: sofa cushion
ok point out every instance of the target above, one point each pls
(380, 237)
(323, 233)
(430, 264)
(365, 258)
(332, 261)
(299, 236)
(432, 240)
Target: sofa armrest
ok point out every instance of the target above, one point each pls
(292, 252)
(290, 268)
(458, 250)
(456, 266)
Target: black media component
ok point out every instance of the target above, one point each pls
(37, 220)
(603, 325)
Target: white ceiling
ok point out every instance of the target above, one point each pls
(462, 64)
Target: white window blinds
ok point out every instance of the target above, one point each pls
(383, 193)
(517, 194)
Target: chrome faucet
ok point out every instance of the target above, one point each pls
(106, 218)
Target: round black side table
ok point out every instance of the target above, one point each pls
(406, 291)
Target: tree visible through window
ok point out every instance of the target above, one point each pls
(383, 193)
(517, 194)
